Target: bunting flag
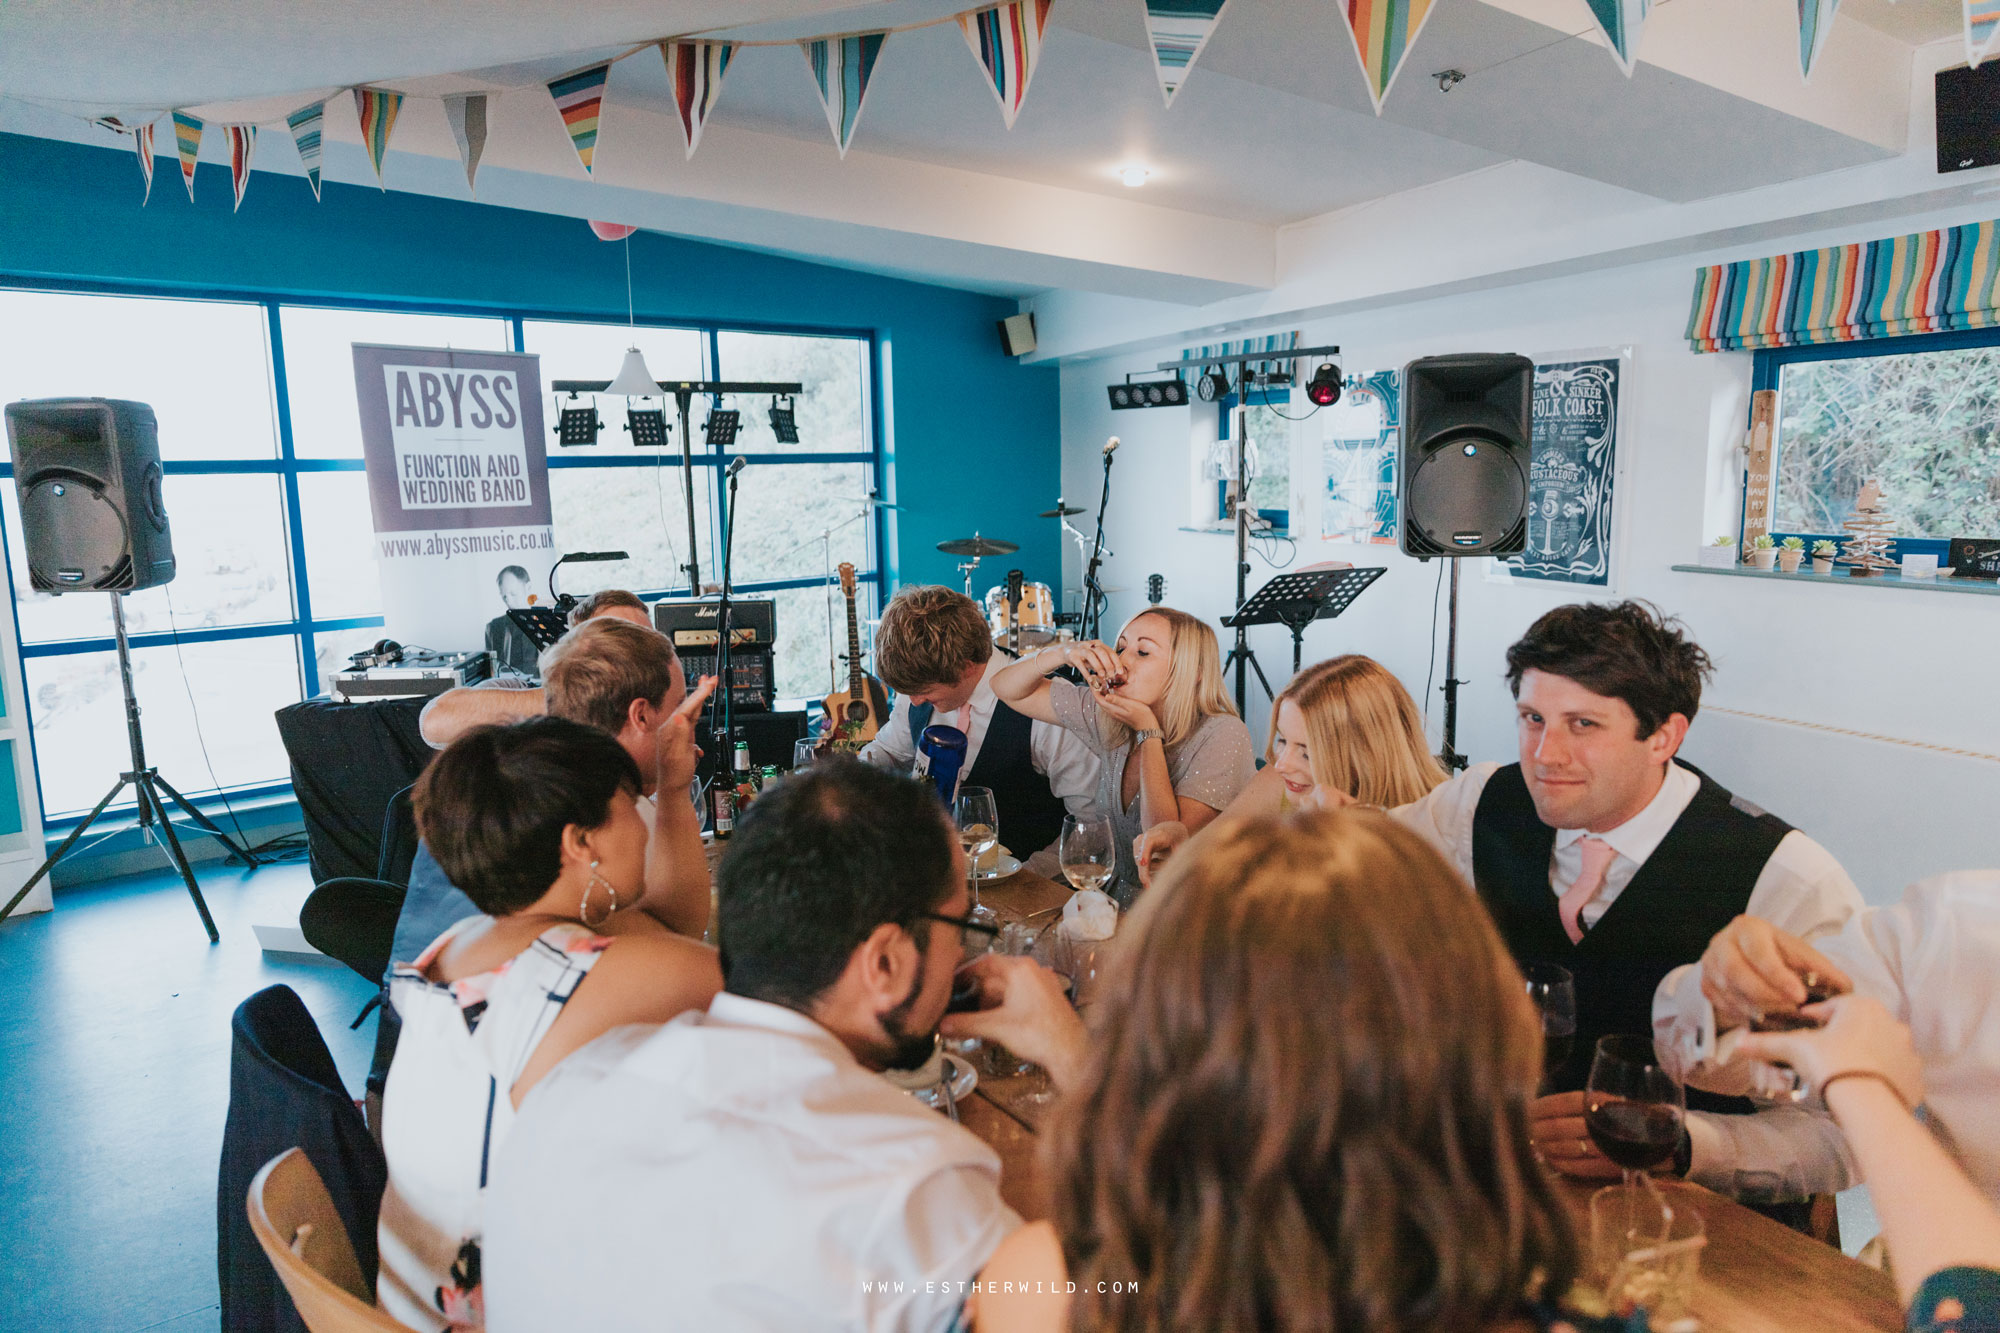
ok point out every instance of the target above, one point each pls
(377, 110)
(1815, 26)
(696, 69)
(1982, 24)
(187, 139)
(1179, 29)
(242, 146)
(611, 231)
(306, 123)
(1620, 22)
(1383, 32)
(467, 114)
(142, 143)
(1007, 41)
(841, 68)
(580, 97)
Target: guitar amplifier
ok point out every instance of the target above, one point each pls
(691, 627)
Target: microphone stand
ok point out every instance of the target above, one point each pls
(1093, 595)
(724, 704)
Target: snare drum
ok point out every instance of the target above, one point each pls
(1035, 619)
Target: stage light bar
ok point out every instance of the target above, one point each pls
(1149, 393)
(648, 427)
(784, 422)
(577, 425)
(721, 427)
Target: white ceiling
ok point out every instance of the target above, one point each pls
(1273, 126)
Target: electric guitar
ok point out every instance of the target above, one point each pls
(856, 714)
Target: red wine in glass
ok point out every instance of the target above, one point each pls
(1553, 992)
(1632, 1108)
(1636, 1135)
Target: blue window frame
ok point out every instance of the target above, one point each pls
(308, 635)
(1279, 400)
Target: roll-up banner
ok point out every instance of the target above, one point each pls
(458, 481)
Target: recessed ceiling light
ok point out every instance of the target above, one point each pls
(1133, 176)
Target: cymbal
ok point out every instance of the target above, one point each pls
(873, 500)
(1061, 511)
(978, 546)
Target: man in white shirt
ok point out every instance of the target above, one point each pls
(1933, 960)
(935, 650)
(750, 1168)
(1601, 854)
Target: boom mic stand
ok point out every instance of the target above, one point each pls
(147, 784)
(725, 701)
(1093, 594)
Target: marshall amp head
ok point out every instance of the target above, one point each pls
(691, 626)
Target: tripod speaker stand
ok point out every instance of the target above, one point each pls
(147, 785)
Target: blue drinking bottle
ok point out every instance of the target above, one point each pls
(941, 754)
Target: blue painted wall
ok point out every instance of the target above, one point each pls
(974, 436)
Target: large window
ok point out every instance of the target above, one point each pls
(1919, 415)
(265, 489)
(1268, 460)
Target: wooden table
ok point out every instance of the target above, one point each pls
(1756, 1275)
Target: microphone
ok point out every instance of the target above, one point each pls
(736, 466)
(1111, 446)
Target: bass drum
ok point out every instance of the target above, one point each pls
(1036, 617)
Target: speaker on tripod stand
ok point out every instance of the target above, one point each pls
(1462, 475)
(94, 518)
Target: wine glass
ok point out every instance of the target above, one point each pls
(1553, 992)
(1632, 1110)
(1088, 851)
(978, 822)
(805, 752)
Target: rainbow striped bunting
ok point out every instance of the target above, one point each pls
(580, 99)
(1620, 22)
(696, 69)
(242, 146)
(1007, 41)
(187, 141)
(306, 124)
(1383, 32)
(377, 110)
(1982, 24)
(1929, 282)
(1815, 26)
(142, 144)
(467, 114)
(1179, 30)
(841, 68)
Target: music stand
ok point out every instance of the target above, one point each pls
(543, 625)
(1295, 600)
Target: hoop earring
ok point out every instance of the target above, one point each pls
(610, 889)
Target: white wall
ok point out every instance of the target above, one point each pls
(1901, 664)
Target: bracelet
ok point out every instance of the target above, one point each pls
(1875, 1074)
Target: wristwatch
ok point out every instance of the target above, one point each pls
(1139, 738)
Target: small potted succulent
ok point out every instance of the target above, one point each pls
(1823, 552)
(1763, 551)
(1790, 552)
(1719, 554)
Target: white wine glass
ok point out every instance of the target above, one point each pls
(978, 820)
(1088, 852)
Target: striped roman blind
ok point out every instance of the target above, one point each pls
(1929, 282)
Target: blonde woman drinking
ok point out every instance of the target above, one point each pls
(1174, 749)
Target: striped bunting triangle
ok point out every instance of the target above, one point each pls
(1179, 29)
(696, 69)
(242, 146)
(1383, 32)
(1982, 24)
(467, 114)
(1007, 41)
(841, 68)
(306, 124)
(378, 110)
(1620, 22)
(142, 143)
(187, 141)
(580, 98)
(1815, 26)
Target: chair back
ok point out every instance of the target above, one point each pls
(295, 1222)
(399, 838)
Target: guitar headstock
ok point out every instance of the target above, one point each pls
(1156, 588)
(847, 578)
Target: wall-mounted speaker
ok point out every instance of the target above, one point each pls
(1017, 334)
(1462, 465)
(1968, 117)
(93, 516)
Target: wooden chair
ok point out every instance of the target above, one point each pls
(295, 1223)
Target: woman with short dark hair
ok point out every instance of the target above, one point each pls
(536, 823)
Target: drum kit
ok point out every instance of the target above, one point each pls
(1032, 621)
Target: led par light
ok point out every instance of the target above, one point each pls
(721, 426)
(1323, 389)
(784, 422)
(1151, 393)
(648, 427)
(577, 425)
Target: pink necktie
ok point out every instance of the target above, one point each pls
(1597, 858)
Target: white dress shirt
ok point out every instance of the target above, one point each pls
(1060, 756)
(737, 1169)
(1933, 960)
(1801, 889)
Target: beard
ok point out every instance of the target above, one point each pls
(907, 1048)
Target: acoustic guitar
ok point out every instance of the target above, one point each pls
(856, 714)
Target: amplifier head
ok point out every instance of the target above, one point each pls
(687, 621)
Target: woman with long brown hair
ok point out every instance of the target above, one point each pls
(1306, 1107)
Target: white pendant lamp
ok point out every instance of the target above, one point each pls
(634, 380)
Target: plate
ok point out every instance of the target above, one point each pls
(964, 1078)
(1002, 868)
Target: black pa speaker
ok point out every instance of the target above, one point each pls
(1462, 467)
(1968, 117)
(87, 471)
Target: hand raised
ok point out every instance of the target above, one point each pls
(675, 755)
(1859, 1036)
(1752, 968)
(1023, 1007)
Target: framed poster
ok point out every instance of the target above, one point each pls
(1358, 459)
(1571, 470)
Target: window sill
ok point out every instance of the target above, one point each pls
(1979, 587)
(1229, 530)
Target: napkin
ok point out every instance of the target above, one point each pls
(1090, 915)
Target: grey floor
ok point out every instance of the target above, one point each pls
(114, 1082)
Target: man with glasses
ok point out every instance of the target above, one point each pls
(748, 1167)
